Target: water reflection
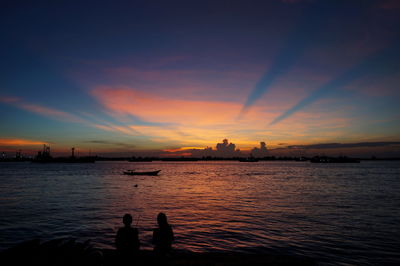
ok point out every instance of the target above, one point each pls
(328, 211)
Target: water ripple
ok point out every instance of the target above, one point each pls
(339, 214)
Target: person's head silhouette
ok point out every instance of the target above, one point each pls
(162, 219)
(127, 220)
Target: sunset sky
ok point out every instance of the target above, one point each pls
(146, 76)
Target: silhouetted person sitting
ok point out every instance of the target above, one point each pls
(163, 235)
(127, 239)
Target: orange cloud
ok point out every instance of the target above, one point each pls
(20, 142)
(182, 149)
(174, 155)
(189, 123)
(158, 109)
(184, 122)
(65, 116)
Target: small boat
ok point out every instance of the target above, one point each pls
(132, 172)
(326, 159)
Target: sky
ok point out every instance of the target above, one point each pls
(156, 77)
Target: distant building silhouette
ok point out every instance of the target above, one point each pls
(227, 150)
(224, 149)
(260, 152)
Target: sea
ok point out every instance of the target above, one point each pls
(338, 214)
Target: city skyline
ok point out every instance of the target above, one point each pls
(224, 149)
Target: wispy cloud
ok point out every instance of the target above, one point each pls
(9, 100)
(154, 108)
(345, 145)
(42, 110)
(171, 119)
(182, 149)
(174, 121)
(113, 143)
(126, 130)
(85, 118)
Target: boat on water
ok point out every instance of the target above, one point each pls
(326, 159)
(133, 172)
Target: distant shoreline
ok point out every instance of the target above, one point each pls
(185, 159)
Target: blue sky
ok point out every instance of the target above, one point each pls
(140, 76)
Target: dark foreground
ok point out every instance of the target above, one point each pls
(69, 252)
